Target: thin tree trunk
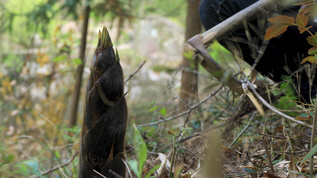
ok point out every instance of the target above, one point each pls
(79, 72)
(189, 77)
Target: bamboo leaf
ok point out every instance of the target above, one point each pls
(140, 149)
(154, 108)
(152, 170)
(309, 154)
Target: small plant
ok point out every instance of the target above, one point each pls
(141, 153)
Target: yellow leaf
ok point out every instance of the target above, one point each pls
(302, 118)
(6, 86)
(70, 35)
(42, 58)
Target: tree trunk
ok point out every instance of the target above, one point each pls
(79, 72)
(189, 77)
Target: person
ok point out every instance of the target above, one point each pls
(283, 55)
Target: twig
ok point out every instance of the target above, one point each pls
(100, 174)
(184, 103)
(312, 140)
(198, 157)
(115, 174)
(60, 166)
(274, 109)
(173, 156)
(293, 152)
(134, 72)
(272, 136)
(128, 169)
(245, 128)
(3, 163)
(45, 118)
(184, 128)
(191, 137)
(185, 112)
(268, 154)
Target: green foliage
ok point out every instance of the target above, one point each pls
(28, 168)
(287, 101)
(71, 7)
(153, 108)
(189, 55)
(162, 111)
(77, 61)
(141, 152)
(140, 149)
(219, 53)
(60, 58)
(70, 134)
(152, 171)
(161, 68)
(13, 61)
(167, 8)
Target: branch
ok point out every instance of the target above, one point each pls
(274, 109)
(268, 154)
(134, 72)
(185, 112)
(245, 128)
(60, 166)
